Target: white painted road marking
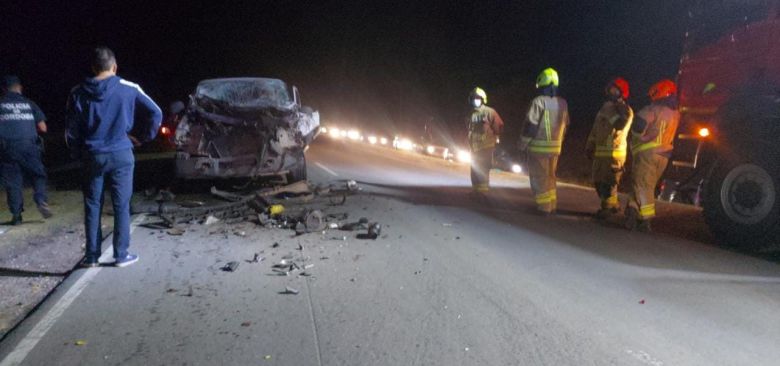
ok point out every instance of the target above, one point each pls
(32, 338)
(326, 169)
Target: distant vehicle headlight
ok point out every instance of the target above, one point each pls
(383, 141)
(430, 150)
(516, 168)
(353, 134)
(464, 156)
(372, 140)
(343, 133)
(324, 130)
(405, 144)
(335, 133)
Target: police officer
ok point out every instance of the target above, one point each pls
(542, 137)
(484, 125)
(100, 113)
(607, 145)
(652, 138)
(20, 153)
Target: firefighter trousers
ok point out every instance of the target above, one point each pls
(481, 162)
(647, 169)
(607, 172)
(541, 171)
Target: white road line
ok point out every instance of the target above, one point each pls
(323, 168)
(32, 338)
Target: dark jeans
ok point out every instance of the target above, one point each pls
(19, 158)
(115, 170)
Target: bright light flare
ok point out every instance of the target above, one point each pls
(335, 133)
(704, 132)
(353, 135)
(165, 131)
(372, 140)
(324, 130)
(405, 144)
(343, 133)
(517, 169)
(383, 140)
(430, 150)
(464, 156)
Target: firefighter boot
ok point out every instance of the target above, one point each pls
(605, 213)
(632, 218)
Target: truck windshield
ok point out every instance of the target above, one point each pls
(711, 20)
(246, 92)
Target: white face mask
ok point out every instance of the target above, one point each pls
(476, 103)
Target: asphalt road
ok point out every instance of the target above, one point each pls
(454, 280)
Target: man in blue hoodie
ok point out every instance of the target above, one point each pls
(101, 112)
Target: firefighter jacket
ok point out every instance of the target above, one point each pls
(654, 129)
(485, 125)
(545, 125)
(608, 137)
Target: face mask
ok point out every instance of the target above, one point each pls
(476, 103)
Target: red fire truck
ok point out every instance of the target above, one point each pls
(727, 155)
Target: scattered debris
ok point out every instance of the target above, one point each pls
(80, 342)
(246, 324)
(275, 210)
(275, 245)
(171, 290)
(290, 291)
(230, 267)
(176, 231)
(339, 238)
(300, 247)
(642, 302)
(352, 186)
(210, 220)
(240, 233)
(308, 266)
(227, 196)
(446, 225)
(333, 225)
(191, 204)
(256, 259)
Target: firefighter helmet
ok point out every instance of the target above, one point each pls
(547, 77)
(478, 93)
(621, 84)
(662, 89)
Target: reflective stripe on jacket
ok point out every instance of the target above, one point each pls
(551, 115)
(484, 126)
(606, 139)
(658, 135)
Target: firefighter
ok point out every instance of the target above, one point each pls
(20, 151)
(652, 137)
(542, 138)
(484, 126)
(607, 145)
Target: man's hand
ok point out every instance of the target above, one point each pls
(134, 140)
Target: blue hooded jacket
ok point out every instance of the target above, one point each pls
(101, 113)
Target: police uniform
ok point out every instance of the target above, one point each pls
(20, 151)
(484, 127)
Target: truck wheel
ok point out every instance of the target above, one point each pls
(742, 204)
(297, 172)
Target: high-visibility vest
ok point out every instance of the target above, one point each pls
(660, 131)
(551, 114)
(605, 139)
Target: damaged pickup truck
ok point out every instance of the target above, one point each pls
(244, 128)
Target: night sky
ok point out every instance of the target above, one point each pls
(379, 65)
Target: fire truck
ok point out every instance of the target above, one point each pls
(727, 154)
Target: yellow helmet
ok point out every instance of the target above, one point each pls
(479, 92)
(547, 77)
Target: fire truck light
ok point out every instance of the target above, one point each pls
(704, 132)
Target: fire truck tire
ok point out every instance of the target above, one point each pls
(742, 203)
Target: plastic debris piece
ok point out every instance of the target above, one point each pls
(281, 272)
(374, 230)
(308, 266)
(300, 247)
(267, 357)
(275, 210)
(211, 220)
(642, 302)
(291, 291)
(333, 225)
(191, 204)
(275, 245)
(80, 342)
(230, 267)
(256, 259)
(176, 231)
(352, 185)
(240, 233)
(246, 324)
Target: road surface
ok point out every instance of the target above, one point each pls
(454, 280)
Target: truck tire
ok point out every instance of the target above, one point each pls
(297, 172)
(742, 203)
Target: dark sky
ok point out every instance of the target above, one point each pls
(389, 65)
